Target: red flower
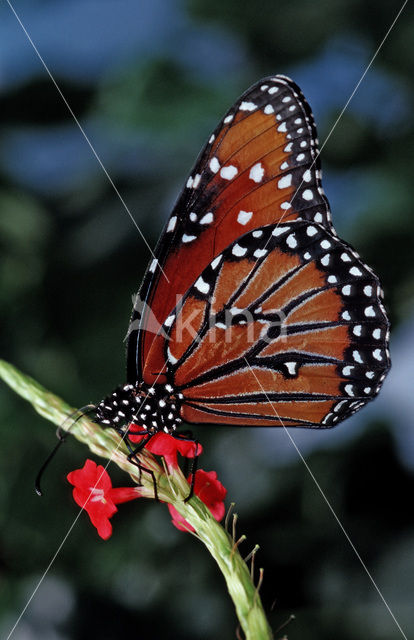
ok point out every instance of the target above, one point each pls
(210, 491)
(163, 444)
(94, 492)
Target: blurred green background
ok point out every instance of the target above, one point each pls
(149, 80)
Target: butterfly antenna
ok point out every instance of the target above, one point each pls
(61, 434)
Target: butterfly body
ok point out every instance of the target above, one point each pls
(154, 408)
(253, 311)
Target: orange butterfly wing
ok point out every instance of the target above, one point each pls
(259, 167)
(285, 326)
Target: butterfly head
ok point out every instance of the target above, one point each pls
(154, 408)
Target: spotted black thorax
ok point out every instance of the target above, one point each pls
(155, 408)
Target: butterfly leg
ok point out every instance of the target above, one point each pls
(142, 470)
(188, 436)
(140, 432)
(132, 457)
(133, 451)
(193, 470)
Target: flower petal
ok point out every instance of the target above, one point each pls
(104, 528)
(94, 493)
(210, 491)
(208, 488)
(90, 475)
(124, 494)
(166, 445)
(178, 520)
(189, 448)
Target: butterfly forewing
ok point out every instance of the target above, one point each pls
(285, 326)
(259, 167)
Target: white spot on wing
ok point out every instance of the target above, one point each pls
(239, 251)
(171, 224)
(268, 109)
(278, 231)
(169, 321)
(171, 358)
(187, 238)
(368, 290)
(248, 106)
(244, 217)
(291, 367)
(207, 219)
(153, 265)
(285, 182)
(256, 172)
(216, 262)
(202, 286)
(229, 172)
(214, 165)
(357, 356)
(291, 241)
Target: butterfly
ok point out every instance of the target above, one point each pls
(253, 311)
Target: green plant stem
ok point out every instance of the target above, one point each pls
(240, 585)
(172, 488)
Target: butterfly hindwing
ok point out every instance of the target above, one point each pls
(286, 325)
(259, 167)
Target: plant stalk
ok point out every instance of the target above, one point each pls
(172, 488)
